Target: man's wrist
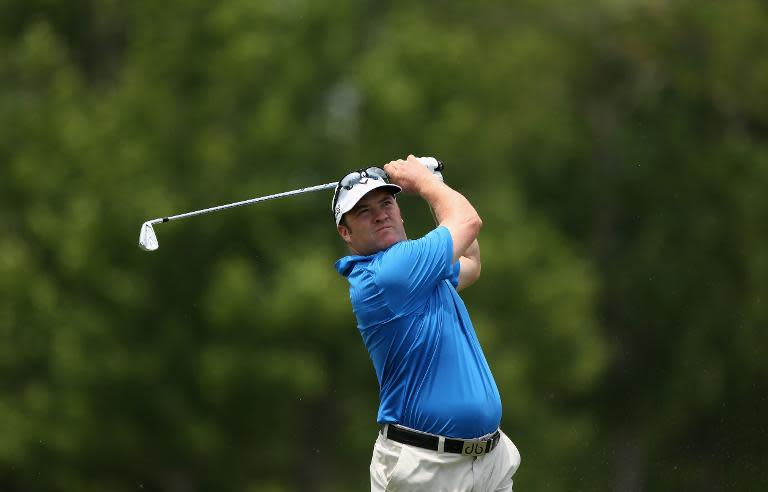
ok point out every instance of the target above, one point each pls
(427, 188)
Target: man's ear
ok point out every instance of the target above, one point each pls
(344, 232)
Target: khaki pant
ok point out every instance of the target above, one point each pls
(398, 467)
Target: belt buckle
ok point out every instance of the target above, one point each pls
(474, 448)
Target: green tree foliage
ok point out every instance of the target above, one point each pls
(671, 159)
(615, 150)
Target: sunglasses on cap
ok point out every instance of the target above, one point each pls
(355, 178)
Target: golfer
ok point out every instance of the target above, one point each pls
(439, 409)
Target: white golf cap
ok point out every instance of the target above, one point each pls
(348, 198)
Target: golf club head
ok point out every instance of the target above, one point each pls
(147, 237)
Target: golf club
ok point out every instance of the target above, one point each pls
(148, 238)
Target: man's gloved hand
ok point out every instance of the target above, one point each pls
(433, 165)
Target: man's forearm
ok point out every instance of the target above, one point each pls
(473, 251)
(470, 266)
(454, 211)
(446, 202)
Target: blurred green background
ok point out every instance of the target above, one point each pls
(615, 149)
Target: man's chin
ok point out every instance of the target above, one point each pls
(388, 237)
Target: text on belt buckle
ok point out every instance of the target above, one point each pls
(474, 448)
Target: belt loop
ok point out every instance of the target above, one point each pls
(440, 444)
(384, 430)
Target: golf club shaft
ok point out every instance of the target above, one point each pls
(148, 238)
(244, 202)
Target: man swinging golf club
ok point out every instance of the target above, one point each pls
(439, 406)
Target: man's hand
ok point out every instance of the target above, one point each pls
(410, 174)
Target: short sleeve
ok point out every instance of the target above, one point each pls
(410, 270)
(455, 269)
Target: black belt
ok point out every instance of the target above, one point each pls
(468, 447)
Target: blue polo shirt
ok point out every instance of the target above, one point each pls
(432, 373)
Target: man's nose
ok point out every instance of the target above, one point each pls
(379, 214)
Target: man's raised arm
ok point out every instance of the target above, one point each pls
(452, 210)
